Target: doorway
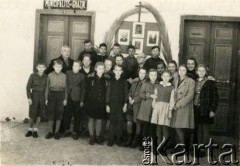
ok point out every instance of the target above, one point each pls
(213, 41)
(55, 28)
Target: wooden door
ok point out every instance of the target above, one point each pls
(223, 57)
(215, 45)
(197, 41)
(54, 36)
(79, 30)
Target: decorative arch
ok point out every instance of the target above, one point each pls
(166, 49)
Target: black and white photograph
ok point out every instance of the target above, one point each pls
(152, 38)
(138, 29)
(110, 82)
(138, 44)
(124, 36)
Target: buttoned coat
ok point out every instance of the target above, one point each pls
(184, 94)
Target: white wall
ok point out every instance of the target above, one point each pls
(17, 23)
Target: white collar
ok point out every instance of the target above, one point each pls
(168, 84)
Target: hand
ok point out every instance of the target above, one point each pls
(211, 114)
(64, 102)
(176, 106)
(81, 104)
(153, 97)
(153, 103)
(211, 78)
(125, 108)
(108, 109)
(131, 102)
(46, 102)
(30, 101)
(130, 80)
(170, 114)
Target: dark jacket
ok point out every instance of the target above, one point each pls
(208, 98)
(76, 86)
(36, 83)
(151, 63)
(130, 67)
(192, 74)
(65, 66)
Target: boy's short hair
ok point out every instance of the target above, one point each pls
(79, 62)
(65, 46)
(41, 62)
(57, 62)
(162, 63)
(108, 60)
(119, 55)
(99, 64)
(87, 41)
(87, 55)
(116, 45)
(131, 47)
(156, 47)
(102, 45)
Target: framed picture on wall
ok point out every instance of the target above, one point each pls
(152, 38)
(123, 36)
(138, 43)
(138, 29)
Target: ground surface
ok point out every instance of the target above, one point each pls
(16, 149)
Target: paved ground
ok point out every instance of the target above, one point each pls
(16, 149)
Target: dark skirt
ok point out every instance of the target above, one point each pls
(96, 109)
(200, 119)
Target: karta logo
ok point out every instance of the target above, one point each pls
(225, 158)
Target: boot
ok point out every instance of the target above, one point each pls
(135, 141)
(129, 141)
(91, 140)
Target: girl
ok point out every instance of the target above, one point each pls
(205, 105)
(96, 102)
(134, 102)
(191, 68)
(145, 111)
(117, 98)
(162, 106)
(172, 67)
(182, 115)
(160, 69)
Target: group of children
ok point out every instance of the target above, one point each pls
(140, 97)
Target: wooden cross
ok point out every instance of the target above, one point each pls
(139, 10)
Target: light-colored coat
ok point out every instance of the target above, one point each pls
(184, 94)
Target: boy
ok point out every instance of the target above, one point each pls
(35, 92)
(115, 51)
(76, 92)
(116, 100)
(65, 58)
(151, 63)
(88, 49)
(130, 65)
(55, 98)
(101, 56)
(119, 60)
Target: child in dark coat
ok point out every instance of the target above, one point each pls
(116, 100)
(36, 87)
(96, 102)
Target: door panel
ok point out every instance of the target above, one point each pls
(79, 30)
(55, 35)
(215, 45)
(197, 41)
(222, 55)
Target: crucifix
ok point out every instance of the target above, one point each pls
(139, 10)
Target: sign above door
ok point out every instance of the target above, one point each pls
(65, 4)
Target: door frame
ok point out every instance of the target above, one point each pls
(186, 18)
(58, 12)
